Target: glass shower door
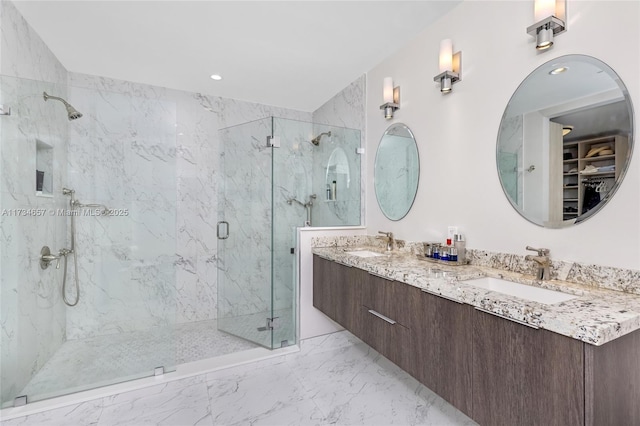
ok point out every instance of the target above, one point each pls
(245, 295)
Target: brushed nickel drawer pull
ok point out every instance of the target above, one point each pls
(443, 296)
(380, 276)
(507, 318)
(382, 317)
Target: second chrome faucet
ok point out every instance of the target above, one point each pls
(391, 242)
(543, 261)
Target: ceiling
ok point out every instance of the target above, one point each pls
(293, 54)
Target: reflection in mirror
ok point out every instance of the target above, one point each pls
(565, 141)
(396, 171)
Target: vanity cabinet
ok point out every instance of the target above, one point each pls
(442, 346)
(495, 370)
(525, 376)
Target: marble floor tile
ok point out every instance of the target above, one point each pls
(332, 380)
(79, 364)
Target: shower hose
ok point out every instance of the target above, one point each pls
(75, 263)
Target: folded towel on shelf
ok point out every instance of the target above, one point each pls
(589, 170)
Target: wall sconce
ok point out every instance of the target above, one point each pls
(450, 66)
(550, 16)
(391, 96)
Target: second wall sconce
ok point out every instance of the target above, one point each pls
(550, 16)
(391, 96)
(450, 66)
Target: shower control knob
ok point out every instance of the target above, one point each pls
(46, 257)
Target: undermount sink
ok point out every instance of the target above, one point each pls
(535, 294)
(364, 253)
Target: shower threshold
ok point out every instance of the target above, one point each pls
(237, 352)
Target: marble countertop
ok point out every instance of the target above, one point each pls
(596, 316)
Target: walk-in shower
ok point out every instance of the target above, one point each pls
(151, 287)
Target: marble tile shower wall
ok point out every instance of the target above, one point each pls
(32, 314)
(346, 110)
(196, 121)
(122, 154)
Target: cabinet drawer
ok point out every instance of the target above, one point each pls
(392, 299)
(392, 340)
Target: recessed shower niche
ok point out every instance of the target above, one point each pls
(338, 175)
(44, 169)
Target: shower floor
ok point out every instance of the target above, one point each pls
(92, 362)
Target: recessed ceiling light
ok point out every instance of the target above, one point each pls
(566, 130)
(558, 70)
(216, 77)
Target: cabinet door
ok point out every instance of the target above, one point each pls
(442, 341)
(612, 382)
(524, 376)
(348, 300)
(324, 278)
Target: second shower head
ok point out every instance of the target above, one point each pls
(72, 113)
(316, 140)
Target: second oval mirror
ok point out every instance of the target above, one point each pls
(565, 141)
(396, 171)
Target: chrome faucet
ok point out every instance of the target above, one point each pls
(391, 242)
(543, 261)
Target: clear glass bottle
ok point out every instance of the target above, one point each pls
(460, 245)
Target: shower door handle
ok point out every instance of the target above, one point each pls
(226, 230)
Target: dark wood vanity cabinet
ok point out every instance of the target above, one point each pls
(495, 370)
(442, 345)
(525, 376)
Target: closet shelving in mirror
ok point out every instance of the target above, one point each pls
(591, 166)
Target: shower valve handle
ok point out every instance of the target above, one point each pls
(46, 257)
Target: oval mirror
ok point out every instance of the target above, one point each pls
(396, 171)
(565, 141)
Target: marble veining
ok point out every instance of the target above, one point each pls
(333, 379)
(597, 316)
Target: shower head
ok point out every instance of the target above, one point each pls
(316, 140)
(72, 113)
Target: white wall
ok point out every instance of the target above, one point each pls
(457, 133)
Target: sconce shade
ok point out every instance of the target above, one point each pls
(543, 9)
(387, 90)
(391, 97)
(445, 61)
(450, 66)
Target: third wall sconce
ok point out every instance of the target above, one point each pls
(550, 16)
(450, 66)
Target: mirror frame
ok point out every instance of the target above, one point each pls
(627, 97)
(375, 187)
